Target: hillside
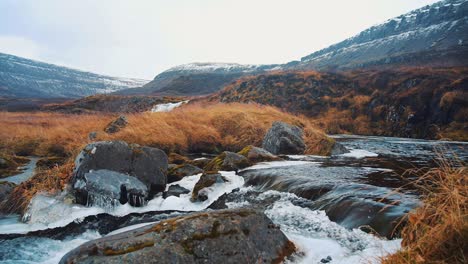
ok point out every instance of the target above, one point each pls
(25, 78)
(196, 79)
(435, 35)
(409, 102)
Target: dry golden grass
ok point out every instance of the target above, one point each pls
(192, 128)
(437, 232)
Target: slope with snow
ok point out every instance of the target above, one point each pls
(21, 77)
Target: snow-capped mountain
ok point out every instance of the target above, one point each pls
(435, 35)
(21, 77)
(197, 78)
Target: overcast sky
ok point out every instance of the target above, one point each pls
(140, 38)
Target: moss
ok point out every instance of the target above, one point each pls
(216, 163)
(245, 151)
(138, 246)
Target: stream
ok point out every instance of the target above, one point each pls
(344, 208)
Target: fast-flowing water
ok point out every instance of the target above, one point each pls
(342, 208)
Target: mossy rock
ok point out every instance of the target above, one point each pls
(206, 180)
(256, 154)
(178, 172)
(227, 161)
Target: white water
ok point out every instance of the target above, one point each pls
(167, 107)
(51, 212)
(27, 172)
(359, 154)
(313, 233)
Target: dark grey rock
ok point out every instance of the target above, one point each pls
(226, 236)
(180, 171)
(116, 125)
(3, 163)
(206, 180)
(256, 154)
(105, 187)
(175, 190)
(92, 135)
(283, 138)
(148, 165)
(227, 161)
(338, 149)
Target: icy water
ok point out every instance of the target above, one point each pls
(327, 206)
(27, 172)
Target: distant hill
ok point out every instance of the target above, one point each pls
(25, 78)
(408, 102)
(432, 36)
(435, 35)
(196, 78)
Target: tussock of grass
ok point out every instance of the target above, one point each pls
(437, 232)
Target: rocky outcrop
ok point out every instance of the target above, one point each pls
(226, 236)
(283, 138)
(116, 125)
(206, 180)
(175, 190)
(338, 149)
(227, 161)
(178, 172)
(147, 165)
(256, 154)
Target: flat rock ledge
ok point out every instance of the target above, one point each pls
(225, 236)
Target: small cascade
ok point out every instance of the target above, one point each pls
(103, 201)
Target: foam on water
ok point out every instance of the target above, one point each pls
(274, 164)
(40, 250)
(359, 154)
(51, 212)
(317, 237)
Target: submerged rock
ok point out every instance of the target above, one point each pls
(226, 236)
(178, 172)
(116, 125)
(148, 165)
(227, 161)
(206, 180)
(338, 149)
(105, 187)
(175, 190)
(256, 154)
(283, 138)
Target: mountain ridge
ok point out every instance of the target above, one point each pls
(21, 78)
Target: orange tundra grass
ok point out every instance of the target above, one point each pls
(192, 128)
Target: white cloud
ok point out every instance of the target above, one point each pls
(143, 38)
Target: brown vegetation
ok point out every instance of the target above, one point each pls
(192, 128)
(408, 102)
(437, 232)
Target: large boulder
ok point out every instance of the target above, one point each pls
(116, 125)
(225, 236)
(148, 165)
(338, 149)
(256, 154)
(283, 138)
(227, 161)
(109, 188)
(206, 180)
(178, 172)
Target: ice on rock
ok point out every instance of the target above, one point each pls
(108, 189)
